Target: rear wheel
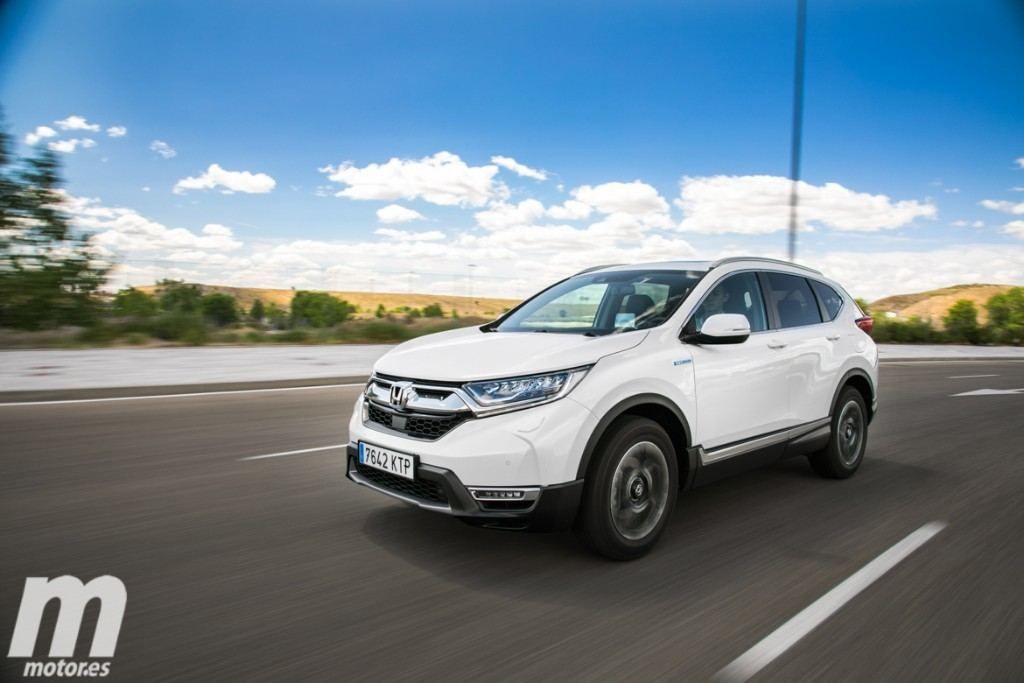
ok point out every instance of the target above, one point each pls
(845, 450)
(631, 491)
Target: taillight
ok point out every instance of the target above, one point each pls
(867, 323)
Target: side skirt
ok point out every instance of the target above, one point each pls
(740, 456)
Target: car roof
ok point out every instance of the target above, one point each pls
(699, 265)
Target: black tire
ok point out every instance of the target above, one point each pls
(635, 472)
(845, 450)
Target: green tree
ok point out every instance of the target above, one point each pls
(49, 272)
(134, 303)
(178, 296)
(433, 311)
(319, 309)
(961, 321)
(277, 317)
(381, 311)
(863, 305)
(256, 312)
(219, 309)
(1006, 316)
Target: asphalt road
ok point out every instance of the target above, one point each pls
(279, 568)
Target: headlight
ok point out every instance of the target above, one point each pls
(523, 391)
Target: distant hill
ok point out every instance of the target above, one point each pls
(935, 303)
(481, 307)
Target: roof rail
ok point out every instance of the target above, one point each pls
(593, 268)
(732, 259)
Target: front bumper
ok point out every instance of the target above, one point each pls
(544, 508)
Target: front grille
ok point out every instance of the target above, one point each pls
(421, 489)
(416, 425)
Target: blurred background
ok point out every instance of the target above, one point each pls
(215, 216)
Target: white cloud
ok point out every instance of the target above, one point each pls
(501, 216)
(217, 230)
(77, 123)
(117, 131)
(146, 188)
(873, 274)
(38, 134)
(393, 213)
(231, 181)
(636, 198)
(1019, 188)
(409, 236)
(442, 179)
(163, 149)
(124, 231)
(1020, 162)
(1015, 208)
(518, 168)
(70, 145)
(570, 210)
(964, 224)
(1015, 228)
(759, 204)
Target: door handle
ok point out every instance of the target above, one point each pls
(833, 337)
(776, 345)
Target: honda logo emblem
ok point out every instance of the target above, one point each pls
(401, 392)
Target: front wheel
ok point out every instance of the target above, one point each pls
(849, 440)
(631, 491)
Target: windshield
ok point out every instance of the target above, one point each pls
(604, 303)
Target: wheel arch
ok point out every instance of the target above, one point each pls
(861, 381)
(655, 407)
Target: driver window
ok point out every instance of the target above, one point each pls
(739, 293)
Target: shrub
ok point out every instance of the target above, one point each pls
(136, 339)
(99, 333)
(175, 295)
(1006, 316)
(292, 336)
(433, 311)
(134, 303)
(961, 322)
(257, 312)
(319, 309)
(913, 331)
(180, 326)
(219, 309)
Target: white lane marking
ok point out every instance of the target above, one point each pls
(298, 452)
(990, 392)
(191, 395)
(970, 376)
(784, 637)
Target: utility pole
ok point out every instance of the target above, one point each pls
(798, 115)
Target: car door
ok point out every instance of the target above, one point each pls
(798, 337)
(842, 337)
(741, 388)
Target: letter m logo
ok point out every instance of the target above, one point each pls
(73, 597)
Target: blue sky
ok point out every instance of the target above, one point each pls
(919, 102)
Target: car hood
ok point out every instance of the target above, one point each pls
(468, 354)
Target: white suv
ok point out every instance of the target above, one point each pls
(596, 401)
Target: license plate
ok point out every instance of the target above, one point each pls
(402, 464)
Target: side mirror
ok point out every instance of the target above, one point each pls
(721, 328)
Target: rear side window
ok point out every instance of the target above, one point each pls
(792, 300)
(829, 298)
(737, 293)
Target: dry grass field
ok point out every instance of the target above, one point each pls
(932, 305)
(479, 307)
